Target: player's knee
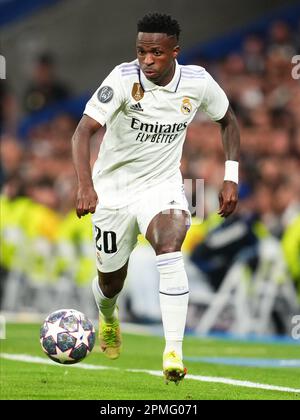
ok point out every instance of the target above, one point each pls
(111, 291)
(109, 287)
(112, 283)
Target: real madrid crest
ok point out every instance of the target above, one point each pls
(99, 257)
(186, 106)
(137, 92)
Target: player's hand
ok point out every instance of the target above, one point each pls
(228, 198)
(87, 200)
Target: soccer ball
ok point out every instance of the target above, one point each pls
(67, 336)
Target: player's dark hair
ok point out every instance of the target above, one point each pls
(159, 23)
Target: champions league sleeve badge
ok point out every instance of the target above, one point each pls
(105, 94)
(137, 92)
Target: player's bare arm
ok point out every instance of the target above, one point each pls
(86, 195)
(228, 196)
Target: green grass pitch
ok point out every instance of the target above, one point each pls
(32, 381)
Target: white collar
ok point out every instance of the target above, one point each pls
(171, 86)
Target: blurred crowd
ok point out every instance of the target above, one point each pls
(264, 90)
(266, 98)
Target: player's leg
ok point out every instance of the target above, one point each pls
(115, 235)
(112, 283)
(166, 233)
(106, 289)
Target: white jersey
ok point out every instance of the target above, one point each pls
(146, 127)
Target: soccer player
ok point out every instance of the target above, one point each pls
(136, 185)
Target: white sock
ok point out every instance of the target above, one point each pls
(174, 295)
(105, 305)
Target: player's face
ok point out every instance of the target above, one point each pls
(156, 54)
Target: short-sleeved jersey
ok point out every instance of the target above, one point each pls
(146, 127)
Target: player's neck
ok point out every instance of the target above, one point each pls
(167, 77)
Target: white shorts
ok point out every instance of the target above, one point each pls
(116, 230)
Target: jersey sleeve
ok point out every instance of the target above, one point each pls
(107, 99)
(214, 102)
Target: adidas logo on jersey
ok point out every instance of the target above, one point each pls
(137, 107)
